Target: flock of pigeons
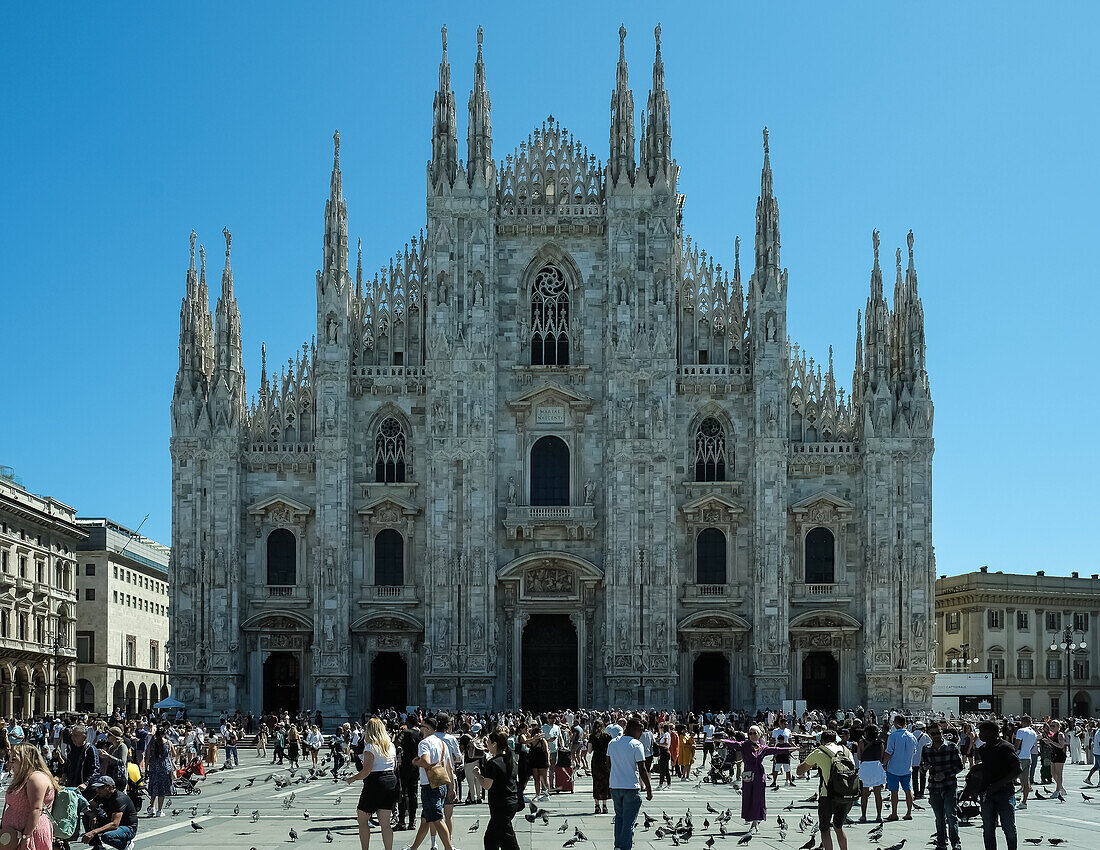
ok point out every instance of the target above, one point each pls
(679, 830)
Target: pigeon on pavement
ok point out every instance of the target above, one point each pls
(195, 826)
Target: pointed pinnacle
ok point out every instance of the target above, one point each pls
(443, 32)
(622, 42)
(765, 141)
(657, 36)
(480, 38)
(228, 241)
(336, 149)
(875, 243)
(194, 236)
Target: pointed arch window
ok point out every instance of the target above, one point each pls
(710, 451)
(389, 453)
(549, 318)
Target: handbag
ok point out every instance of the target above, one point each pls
(437, 775)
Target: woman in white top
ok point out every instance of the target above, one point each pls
(314, 742)
(380, 791)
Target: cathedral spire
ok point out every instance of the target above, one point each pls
(479, 133)
(335, 256)
(228, 357)
(196, 353)
(359, 271)
(621, 161)
(657, 149)
(444, 131)
(877, 333)
(857, 369)
(767, 219)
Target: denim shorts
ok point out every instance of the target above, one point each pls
(431, 802)
(895, 782)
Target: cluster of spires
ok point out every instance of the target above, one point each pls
(479, 169)
(890, 349)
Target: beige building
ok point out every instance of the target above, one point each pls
(1005, 624)
(38, 536)
(122, 636)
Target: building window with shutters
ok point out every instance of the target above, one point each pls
(1054, 621)
(1080, 669)
(996, 618)
(1023, 621)
(1080, 622)
(953, 621)
(1025, 668)
(1054, 669)
(131, 651)
(997, 667)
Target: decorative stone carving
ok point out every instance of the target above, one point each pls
(548, 580)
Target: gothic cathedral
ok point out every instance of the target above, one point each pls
(551, 455)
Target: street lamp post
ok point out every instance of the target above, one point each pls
(963, 663)
(1067, 645)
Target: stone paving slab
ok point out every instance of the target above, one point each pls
(332, 807)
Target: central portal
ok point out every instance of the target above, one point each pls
(549, 663)
(820, 681)
(281, 683)
(389, 676)
(711, 682)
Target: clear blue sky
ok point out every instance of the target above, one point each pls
(124, 126)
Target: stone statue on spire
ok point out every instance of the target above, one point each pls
(194, 236)
(909, 242)
(875, 243)
(228, 241)
(765, 141)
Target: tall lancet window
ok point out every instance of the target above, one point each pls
(710, 451)
(389, 453)
(549, 318)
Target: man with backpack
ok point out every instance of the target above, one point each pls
(838, 789)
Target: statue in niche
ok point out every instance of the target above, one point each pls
(330, 631)
(477, 413)
(918, 626)
(479, 295)
(524, 331)
(622, 291)
(330, 569)
(477, 631)
(773, 631)
(589, 491)
(511, 490)
(660, 634)
(624, 637)
(883, 629)
(332, 330)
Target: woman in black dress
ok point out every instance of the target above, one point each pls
(498, 778)
(601, 773)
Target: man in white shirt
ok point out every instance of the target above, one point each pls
(552, 733)
(454, 753)
(923, 740)
(613, 728)
(1025, 741)
(708, 742)
(626, 762)
(432, 750)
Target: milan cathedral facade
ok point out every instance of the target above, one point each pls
(552, 454)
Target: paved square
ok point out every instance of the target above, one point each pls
(332, 807)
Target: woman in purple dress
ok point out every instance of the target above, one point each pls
(753, 781)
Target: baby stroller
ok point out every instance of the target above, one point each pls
(721, 763)
(187, 778)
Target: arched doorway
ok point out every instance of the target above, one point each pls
(117, 697)
(85, 695)
(549, 663)
(389, 681)
(710, 682)
(131, 699)
(281, 683)
(820, 681)
(1081, 705)
(154, 695)
(39, 693)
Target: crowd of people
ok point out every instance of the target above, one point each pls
(78, 778)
